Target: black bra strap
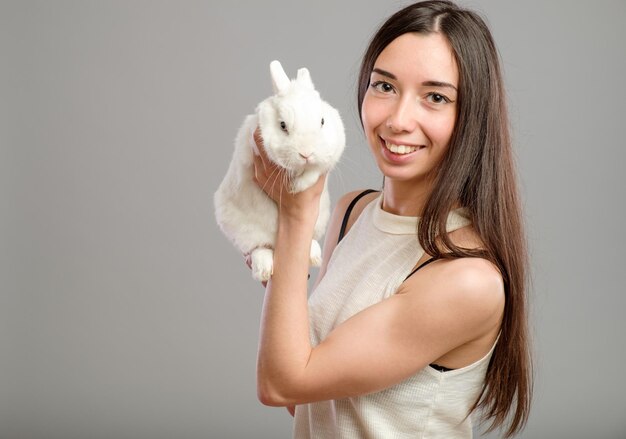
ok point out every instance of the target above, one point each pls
(440, 368)
(423, 264)
(346, 216)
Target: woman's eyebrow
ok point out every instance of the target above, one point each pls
(425, 83)
(384, 73)
(438, 84)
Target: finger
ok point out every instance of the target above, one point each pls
(258, 140)
(321, 181)
(259, 169)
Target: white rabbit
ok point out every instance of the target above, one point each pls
(302, 134)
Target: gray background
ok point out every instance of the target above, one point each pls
(124, 313)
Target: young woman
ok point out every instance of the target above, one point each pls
(418, 317)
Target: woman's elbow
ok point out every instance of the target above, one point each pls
(269, 395)
(280, 388)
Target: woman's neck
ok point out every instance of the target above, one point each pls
(405, 198)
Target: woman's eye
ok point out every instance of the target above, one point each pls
(437, 98)
(382, 86)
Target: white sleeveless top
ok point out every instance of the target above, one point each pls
(368, 265)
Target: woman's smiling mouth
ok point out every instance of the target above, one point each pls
(400, 149)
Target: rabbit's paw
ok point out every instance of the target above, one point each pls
(262, 264)
(315, 257)
(304, 181)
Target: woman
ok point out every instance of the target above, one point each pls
(405, 337)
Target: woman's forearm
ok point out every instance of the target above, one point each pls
(284, 346)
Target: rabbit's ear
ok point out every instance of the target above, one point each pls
(304, 77)
(280, 80)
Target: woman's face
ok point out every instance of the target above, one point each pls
(409, 108)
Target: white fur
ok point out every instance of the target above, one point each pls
(246, 215)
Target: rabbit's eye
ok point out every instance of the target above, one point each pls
(322, 121)
(283, 126)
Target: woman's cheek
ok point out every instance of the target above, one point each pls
(374, 113)
(441, 127)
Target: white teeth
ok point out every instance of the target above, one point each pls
(400, 149)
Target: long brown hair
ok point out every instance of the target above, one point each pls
(478, 171)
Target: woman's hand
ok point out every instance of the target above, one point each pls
(275, 182)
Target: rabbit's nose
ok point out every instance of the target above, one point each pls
(306, 156)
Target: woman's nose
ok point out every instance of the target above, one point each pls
(403, 117)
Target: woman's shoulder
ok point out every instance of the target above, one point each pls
(473, 272)
(469, 289)
(471, 275)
